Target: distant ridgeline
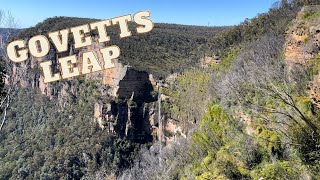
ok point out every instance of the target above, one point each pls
(39, 46)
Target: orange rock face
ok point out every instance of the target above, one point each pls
(109, 75)
(207, 61)
(302, 45)
(295, 51)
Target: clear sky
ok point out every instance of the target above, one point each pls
(192, 12)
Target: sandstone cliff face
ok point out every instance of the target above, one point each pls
(303, 45)
(302, 38)
(132, 115)
(129, 108)
(206, 61)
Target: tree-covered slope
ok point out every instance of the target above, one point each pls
(256, 119)
(166, 49)
(56, 138)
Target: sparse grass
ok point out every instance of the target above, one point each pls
(308, 14)
(306, 40)
(314, 65)
(311, 15)
(227, 58)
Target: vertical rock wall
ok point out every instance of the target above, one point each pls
(129, 96)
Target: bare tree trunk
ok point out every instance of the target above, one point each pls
(11, 24)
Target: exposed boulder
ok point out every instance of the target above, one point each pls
(206, 61)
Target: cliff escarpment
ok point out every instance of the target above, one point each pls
(123, 97)
(100, 121)
(128, 92)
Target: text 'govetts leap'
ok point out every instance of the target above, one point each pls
(39, 46)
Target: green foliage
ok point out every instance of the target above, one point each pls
(273, 22)
(314, 66)
(43, 141)
(189, 94)
(309, 15)
(268, 140)
(212, 129)
(166, 49)
(278, 170)
(227, 58)
(222, 151)
(262, 124)
(221, 148)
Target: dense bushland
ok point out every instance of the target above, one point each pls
(41, 140)
(248, 117)
(256, 120)
(166, 49)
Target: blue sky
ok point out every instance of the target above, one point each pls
(192, 12)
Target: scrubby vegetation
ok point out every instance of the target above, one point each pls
(248, 117)
(40, 141)
(259, 121)
(166, 49)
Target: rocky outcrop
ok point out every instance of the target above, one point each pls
(314, 91)
(132, 115)
(206, 61)
(302, 45)
(302, 38)
(126, 118)
(135, 84)
(126, 105)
